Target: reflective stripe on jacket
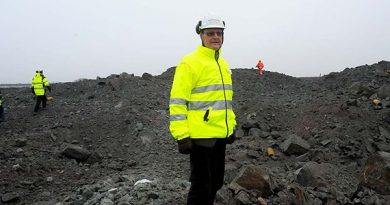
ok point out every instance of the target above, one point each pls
(38, 85)
(201, 97)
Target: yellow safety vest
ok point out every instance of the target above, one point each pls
(38, 84)
(201, 97)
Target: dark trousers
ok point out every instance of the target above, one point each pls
(207, 173)
(40, 98)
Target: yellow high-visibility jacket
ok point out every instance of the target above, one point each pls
(201, 97)
(39, 82)
(38, 85)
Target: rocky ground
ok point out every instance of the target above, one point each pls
(106, 141)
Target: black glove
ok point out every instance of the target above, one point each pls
(231, 138)
(185, 145)
(32, 90)
(49, 88)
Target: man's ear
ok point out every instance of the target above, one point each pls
(197, 28)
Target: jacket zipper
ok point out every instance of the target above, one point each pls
(224, 93)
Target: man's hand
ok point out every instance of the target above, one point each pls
(185, 145)
(231, 138)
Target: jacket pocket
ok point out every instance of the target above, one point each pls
(206, 115)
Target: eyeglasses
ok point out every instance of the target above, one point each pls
(212, 33)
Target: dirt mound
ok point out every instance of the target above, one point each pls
(106, 141)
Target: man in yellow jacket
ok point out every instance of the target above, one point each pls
(38, 86)
(202, 120)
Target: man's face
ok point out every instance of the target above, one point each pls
(212, 38)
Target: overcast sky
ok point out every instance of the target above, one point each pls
(74, 39)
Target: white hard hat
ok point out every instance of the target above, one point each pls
(210, 22)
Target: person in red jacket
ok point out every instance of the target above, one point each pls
(260, 66)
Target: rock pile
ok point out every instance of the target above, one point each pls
(323, 140)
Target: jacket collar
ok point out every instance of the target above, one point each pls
(208, 51)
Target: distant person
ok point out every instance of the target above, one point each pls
(1, 109)
(260, 66)
(202, 120)
(38, 86)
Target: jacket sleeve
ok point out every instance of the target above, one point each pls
(180, 95)
(45, 82)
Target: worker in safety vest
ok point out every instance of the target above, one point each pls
(260, 66)
(38, 86)
(202, 120)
